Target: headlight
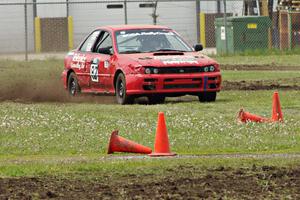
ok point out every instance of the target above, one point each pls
(151, 70)
(147, 71)
(210, 68)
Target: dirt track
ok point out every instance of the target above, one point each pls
(31, 89)
(261, 85)
(258, 67)
(183, 182)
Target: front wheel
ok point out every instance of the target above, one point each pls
(207, 96)
(121, 96)
(73, 86)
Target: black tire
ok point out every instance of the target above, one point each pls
(207, 96)
(156, 99)
(73, 86)
(121, 96)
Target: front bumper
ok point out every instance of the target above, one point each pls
(176, 83)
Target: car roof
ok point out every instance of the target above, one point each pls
(130, 27)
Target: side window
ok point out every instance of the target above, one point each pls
(104, 45)
(89, 42)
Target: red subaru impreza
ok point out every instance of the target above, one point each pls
(133, 61)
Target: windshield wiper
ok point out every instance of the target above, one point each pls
(130, 51)
(166, 50)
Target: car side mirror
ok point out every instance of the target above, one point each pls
(106, 50)
(198, 47)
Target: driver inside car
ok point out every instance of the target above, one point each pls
(150, 43)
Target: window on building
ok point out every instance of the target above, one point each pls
(146, 5)
(114, 6)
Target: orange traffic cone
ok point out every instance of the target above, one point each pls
(248, 117)
(276, 108)
(161, 146)
(120, 144)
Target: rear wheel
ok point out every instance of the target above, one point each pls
(121, 96)
(207, 96)
(73, 86)
(156, 99)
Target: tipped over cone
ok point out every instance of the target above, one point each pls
(276, 108)
(120, 144)
(248, 117)
(161, 146)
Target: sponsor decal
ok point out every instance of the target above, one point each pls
(252, 26)
(78, 61)
(171, 60)
(223, 33)
(94, 70)
(124, 34)
(106, 64)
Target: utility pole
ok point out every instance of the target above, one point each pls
(154, 14)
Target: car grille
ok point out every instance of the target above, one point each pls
(180, 70)
(182, 86)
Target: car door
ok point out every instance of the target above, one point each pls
(79, 62)
(100, 62)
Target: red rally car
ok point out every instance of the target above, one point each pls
(146, 60)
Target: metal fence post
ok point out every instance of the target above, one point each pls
(125, 11)
(290, 27)
(67, 5)
(225, 26)
(26, 29)
(198, 19)
(154, 14)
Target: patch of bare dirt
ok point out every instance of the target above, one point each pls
(52, 91)
(259, 67)
(183, 182)
(293, 84)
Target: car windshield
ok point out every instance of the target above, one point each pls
(149, 40)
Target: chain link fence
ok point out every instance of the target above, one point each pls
(222, 26)
(250, 25)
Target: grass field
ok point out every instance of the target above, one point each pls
(43, 131)
(43, 134)
(194, 128)
(277, 60)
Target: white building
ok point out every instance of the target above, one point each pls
(179, 15)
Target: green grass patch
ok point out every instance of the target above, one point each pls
(37, 73)
(38, 139)
(229, 75)
(278, 60)
(194, 128)
(266, 52)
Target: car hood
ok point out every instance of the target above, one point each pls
(166, 59)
